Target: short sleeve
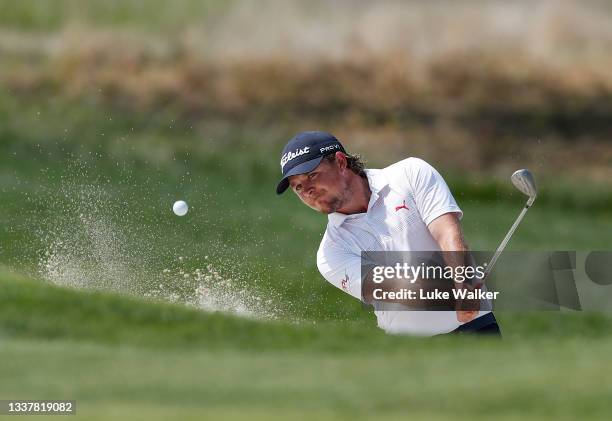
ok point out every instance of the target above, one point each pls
(341, 268)
(432, 196)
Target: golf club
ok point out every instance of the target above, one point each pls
(523, 180)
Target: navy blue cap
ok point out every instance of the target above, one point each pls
(304, 153)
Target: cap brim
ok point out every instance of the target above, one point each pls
(302, 168)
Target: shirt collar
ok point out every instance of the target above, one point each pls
(378, 185)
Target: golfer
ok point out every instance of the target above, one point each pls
(406, 206)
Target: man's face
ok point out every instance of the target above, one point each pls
(324, 189)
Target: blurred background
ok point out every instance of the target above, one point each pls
(112, 110)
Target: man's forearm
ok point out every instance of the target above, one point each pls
(446, 230)
(449, 236)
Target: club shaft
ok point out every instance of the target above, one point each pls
(504, 242)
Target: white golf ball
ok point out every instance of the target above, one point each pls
(180, 208)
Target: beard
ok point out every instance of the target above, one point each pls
(332, 201)
(331, 204)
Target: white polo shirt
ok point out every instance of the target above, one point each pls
(406, 197)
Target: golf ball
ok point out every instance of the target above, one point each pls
(180, 208)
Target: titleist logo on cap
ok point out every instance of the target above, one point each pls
(292, 155)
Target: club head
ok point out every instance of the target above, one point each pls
(524, 181)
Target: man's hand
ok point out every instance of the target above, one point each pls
(467, 309)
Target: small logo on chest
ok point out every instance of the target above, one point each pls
(402, 206)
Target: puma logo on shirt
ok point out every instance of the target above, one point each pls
(402, 206)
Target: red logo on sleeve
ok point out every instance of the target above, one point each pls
(344, 282)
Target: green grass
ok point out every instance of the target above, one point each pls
(509, 381)
(155, 15)
(121, 357)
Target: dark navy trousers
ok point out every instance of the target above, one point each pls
(484, 325)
